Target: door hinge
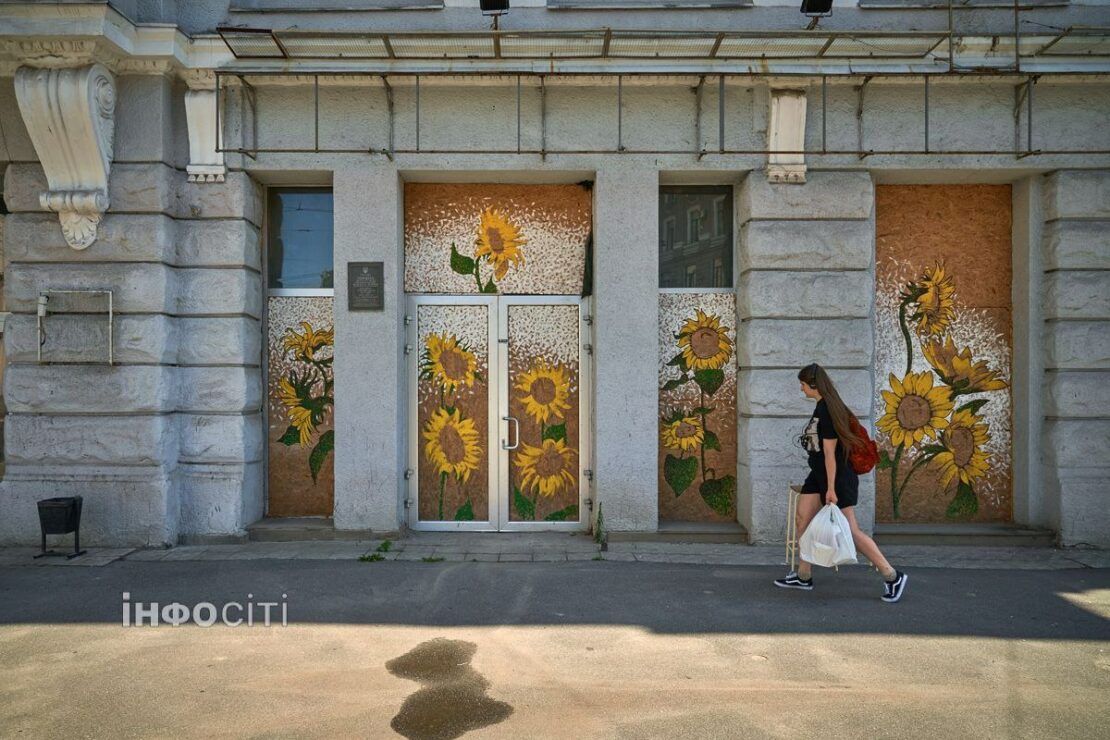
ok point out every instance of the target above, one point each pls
(589, 475)
(588, 320)
(408, 319)
(589, 348)
(589, 504)
(408, 503)
(408, 349)
(409, 472)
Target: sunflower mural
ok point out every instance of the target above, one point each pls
(944, 415)
(543, 396)
(697, 396)
(496, 239)
(301, 401)
(452, 415)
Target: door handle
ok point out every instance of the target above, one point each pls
(505, 443)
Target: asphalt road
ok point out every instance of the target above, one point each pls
(579, 649)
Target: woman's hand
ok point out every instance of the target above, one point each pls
(830, 496)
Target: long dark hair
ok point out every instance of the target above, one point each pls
(815, 377)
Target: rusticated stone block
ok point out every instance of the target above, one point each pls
(233, 340)
(791, 295)
(219, 500)
(136, 288)
(1077, 245)
(1077, 295)
(89, 440)
(224, 438)
(1077, 194)
(776, 392)
(789, 245)
(36, 237)
(219, 291)
(1077, 394)
(220, 243)
(795, 343)
(226, 390)
(138, 339)
(1077, 344)
(824, 195)
(89, 389)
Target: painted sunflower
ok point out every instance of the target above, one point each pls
(305, 345)
(299, 416)
(451, 443)
(963, 454)
(499, 241)
(684, 433)
(546, 389)
(549, 468)
(958, 369)
(704, 342)
(914, 409)
(448, 362)
(934, 295)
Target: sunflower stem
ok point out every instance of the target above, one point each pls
(895, 494)
(478, 274)
(906, 335)
(442, 484)
(704, 430)
(913, 469)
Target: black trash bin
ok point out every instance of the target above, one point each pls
(61, 515)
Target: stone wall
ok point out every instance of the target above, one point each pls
(167, 444)
(806, 265)
(1076, 305)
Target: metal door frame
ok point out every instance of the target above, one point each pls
(497, 425)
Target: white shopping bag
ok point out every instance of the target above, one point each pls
(827, 540)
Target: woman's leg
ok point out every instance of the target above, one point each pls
(808, 506)
(867, 546)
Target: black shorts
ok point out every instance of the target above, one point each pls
(846, 495)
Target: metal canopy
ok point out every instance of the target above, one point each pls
(659, 46)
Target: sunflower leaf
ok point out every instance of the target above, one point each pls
(931, 450)
(320, 453)
(556, 432)
(571, 512)
(678, 360)
(964, 503)
(523, 506)
(884, 461)
(712, 441)
(709, 380)
(670, 385)
(460, 263)
(720, 494)
(291, 436)
(973, 406)
(489, 287)
(680, 473)
(702, 410)
(465, 512)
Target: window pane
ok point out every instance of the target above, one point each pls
(700, 254)
(300, 238)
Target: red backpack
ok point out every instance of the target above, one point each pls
(864, 458)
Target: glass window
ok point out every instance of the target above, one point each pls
(299, 235)
(704, 258)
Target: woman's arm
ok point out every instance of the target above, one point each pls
(829, 446)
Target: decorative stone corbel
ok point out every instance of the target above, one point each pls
(787, 133)
(205, 163)
(70, 117)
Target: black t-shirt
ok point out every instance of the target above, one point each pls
(819, 428)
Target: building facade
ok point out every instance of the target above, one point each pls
(385, 265)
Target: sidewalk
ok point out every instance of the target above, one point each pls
(553, 547)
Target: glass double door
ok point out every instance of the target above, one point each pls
(497, 409)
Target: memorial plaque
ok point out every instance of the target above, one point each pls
(365, 286)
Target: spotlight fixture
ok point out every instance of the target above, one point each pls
(494, 7)
(810, 8)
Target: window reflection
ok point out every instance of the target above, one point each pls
(300, 234)
(695, 237)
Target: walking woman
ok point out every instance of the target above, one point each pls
(829, 440)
